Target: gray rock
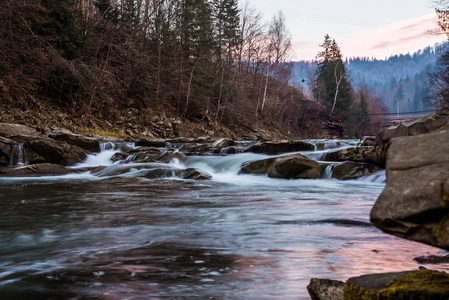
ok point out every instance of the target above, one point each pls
(374, 154)
(292, 166)
(55, 152)
(434, 122)
(325, 289)
(352, 170)
(164, 157)
(277, 147)
(195, 174)
(36, 170)
(78, 140)
(8, 130)
(415, 202)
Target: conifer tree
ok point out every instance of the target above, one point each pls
(333, 90)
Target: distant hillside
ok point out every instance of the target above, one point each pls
(401, 77)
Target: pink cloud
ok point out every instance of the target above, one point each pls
(397, 38)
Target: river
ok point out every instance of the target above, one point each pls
(232, 237)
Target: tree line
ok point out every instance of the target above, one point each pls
(197, 59)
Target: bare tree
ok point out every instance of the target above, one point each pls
(338, 79)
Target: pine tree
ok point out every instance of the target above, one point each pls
(334, 91)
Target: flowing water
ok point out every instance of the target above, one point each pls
(233, 237)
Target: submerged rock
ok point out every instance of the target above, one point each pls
(432, 259)
(325, 289)
(36, 170)
(431, 123)
(293, 166)
(415, 202)
(277, 147)
(423, 284)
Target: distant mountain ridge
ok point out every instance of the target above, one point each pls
(400, 78)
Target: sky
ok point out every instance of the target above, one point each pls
(365, 28)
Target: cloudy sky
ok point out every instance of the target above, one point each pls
(368, 28)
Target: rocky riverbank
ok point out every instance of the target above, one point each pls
(414, 205)
(27, 151)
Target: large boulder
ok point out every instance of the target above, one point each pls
(8, 130)
(277, 147)
(78, 140)
(415, 202)
(374, 154)
(434, 122)
(36, 170)
(293, 166)
(57, 152)
(423, 284)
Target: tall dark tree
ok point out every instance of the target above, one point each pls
(333, 88)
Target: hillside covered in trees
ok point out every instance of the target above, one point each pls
(102, 62)
(402, 78)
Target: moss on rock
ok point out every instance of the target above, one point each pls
(423, 284)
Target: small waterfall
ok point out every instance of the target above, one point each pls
(317, 156)
(107, 146)
(230, 150)
(18, 156)
(131, 158)
(328, 172)
(332, 145)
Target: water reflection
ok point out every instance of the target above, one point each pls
(246, 238)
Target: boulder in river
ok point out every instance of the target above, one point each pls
(373, 154)
(415, 202)
(423, 284)
(352, 170)
(325, 289)
(57, 152)
(292, 166)
(277, 147)
(196, 174)
(162, 157)
(434, 122)
(36, 170)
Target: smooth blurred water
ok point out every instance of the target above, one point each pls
(232, 237)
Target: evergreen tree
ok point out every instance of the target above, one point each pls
(398, 97)
(334, 90)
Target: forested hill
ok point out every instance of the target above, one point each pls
(108, 63)
(402, 77)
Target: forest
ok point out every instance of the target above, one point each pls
(403, 78)
(209, 62)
